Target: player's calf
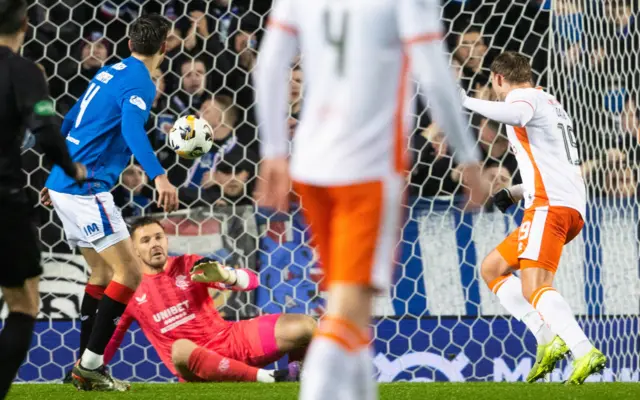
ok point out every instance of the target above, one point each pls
(195, 363)
(508, 288)
(126, 278)
(556, 312)
(15, 338)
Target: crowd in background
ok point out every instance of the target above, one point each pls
(591, 62)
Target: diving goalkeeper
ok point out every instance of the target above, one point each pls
(173, 307)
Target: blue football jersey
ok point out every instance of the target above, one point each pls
(106, 126)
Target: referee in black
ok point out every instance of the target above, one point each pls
(24, 104)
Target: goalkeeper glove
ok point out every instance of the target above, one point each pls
(207, 270)
(503, 200)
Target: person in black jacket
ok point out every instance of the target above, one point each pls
(26, 105)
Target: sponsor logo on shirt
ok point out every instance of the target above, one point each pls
(138, 102)
(174, 316)
(73, 140)
(119, 66)
(104, 77)
(142, 299)
(182, 282)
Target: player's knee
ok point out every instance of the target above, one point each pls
(130, 276)
(308, 326)
(180, 352)
(488, 269)
(135, 278)
(101, 275)
(24, 300)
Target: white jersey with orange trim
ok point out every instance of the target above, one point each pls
(547, 153)
(358, 91)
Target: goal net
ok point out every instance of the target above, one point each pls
(439, 322)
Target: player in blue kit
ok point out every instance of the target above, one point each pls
(102, 130)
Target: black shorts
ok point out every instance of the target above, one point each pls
(19, 244)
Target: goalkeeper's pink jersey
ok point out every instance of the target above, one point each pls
(170, 306)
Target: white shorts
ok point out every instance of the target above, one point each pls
(90, 221)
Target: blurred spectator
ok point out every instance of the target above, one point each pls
(92, 53)
(174, 41)
(619, 51)
(241, 55)
(192, 88)
(295, 90)
(292, 124)
(235, 177)
(160, 122)
(431, 173)
(498, 176)
(470, 50)
(133, 195)
(222, 115)
(620, 183)
(230, 179)
(494, 145)
(456, 66)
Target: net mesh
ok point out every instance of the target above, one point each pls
(440, 321)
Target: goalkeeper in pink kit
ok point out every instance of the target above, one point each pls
(173, 307)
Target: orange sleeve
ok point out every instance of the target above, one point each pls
(422, 38)
(283, 26)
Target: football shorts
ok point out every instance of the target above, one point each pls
(252, 341)
(355, 229)
(90, 221)
(539, 240)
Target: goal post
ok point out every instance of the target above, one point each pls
(439, 322)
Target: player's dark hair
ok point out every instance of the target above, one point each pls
(142, 222)
(12, 16)
(515, 67)
(148, 33)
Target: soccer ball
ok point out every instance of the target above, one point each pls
(191, 137)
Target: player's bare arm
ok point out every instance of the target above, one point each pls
(421, 34)
(272, 73)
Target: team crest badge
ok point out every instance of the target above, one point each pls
(182, 282)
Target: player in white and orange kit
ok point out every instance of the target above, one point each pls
(541, 135)
(348, 157)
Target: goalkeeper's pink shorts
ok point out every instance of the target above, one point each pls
(252, 341)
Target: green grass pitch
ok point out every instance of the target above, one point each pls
(390, 391)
